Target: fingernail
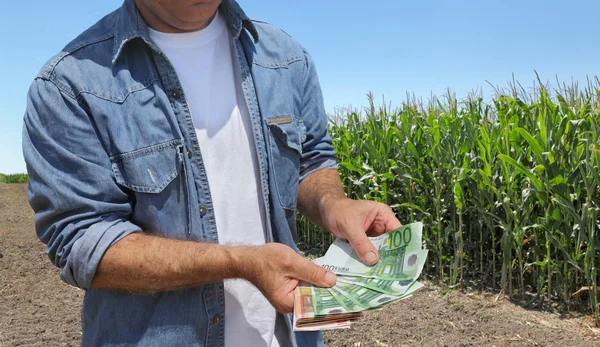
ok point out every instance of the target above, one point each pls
(371, 258)
(330, 278)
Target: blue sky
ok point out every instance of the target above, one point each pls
(388, 47)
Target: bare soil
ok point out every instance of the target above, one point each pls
(37, 309)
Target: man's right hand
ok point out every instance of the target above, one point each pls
(142, 263)
(276, 269)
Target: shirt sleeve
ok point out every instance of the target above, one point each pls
(80, 211)
(317, 150)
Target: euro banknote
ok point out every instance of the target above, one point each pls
(397, 249)
(361, 287)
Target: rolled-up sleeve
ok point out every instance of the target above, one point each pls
(80, 211)
(317, 150)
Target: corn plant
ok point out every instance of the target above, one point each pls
(509, 190)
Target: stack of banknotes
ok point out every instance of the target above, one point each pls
(360, 287)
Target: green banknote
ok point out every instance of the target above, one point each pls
(395, 249)
(345, 301)
(372, 298)
(363, 296)
(360, 287)
(413, 265)
(324, 303)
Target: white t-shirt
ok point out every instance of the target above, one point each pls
(209, 76)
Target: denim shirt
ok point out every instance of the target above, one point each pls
(111, 150)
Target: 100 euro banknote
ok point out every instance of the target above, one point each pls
(399, 256)
(412, 268)
(369, 298)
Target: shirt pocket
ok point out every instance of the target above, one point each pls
(286, 135)
(150, 169)
(155, 175)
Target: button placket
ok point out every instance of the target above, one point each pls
(175, 93)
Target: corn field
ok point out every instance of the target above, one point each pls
(14, 178)
(508, 191)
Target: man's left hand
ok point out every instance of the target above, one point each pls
(354, 220)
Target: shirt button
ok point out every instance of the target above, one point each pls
(175, 93)
(203, 212)
(189, 151)
(217, 319)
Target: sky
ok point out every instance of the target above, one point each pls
(387, 47)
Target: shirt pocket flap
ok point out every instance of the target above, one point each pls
(149, 169)
(287, 132)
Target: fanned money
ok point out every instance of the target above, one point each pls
(361, 287)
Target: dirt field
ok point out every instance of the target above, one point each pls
(37, 309)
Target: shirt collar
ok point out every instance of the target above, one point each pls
(130, 25)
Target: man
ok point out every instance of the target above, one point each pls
(168, 147)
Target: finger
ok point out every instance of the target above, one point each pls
(375, 232)
(315, 274)
(377, 227)
(386, 216)
(363, 246)
(288, 305)
(384, 221)
(391, 222)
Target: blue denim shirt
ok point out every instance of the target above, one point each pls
(108, 110)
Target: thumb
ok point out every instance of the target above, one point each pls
(315, 274)
(363, 246)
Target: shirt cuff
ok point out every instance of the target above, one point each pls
(88, 250)
(317, 165)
